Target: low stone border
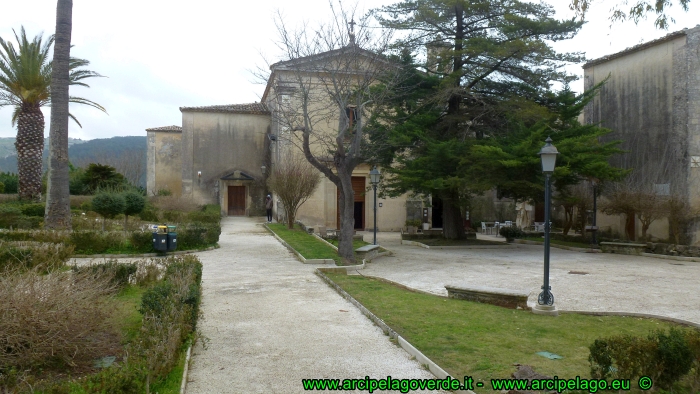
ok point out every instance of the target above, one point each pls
(632, 249)
(405, 345)
(571, 248)
(422, 245)
(507, 298)
(635, 314)
(414, 243)
(297, 254)
(667, 257)
(117, 256)
(183, 383)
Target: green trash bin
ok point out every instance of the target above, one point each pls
(172, 241)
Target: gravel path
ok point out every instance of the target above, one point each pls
(580, 281)
(270, 322)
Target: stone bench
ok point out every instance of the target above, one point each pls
(623, 248)
(507, 298)
(367, 252)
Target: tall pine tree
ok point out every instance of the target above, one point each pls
(487, 55)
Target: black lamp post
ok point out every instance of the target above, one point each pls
(595, 212)
(548, 155)
(374, 176)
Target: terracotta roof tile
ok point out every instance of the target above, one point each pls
(251, 108)
(172, 129)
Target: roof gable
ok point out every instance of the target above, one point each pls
(237, 176)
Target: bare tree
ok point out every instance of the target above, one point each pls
(636, 197)
(575, 200)
(293, 180)
(321, 91)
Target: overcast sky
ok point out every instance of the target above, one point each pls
(160, 55)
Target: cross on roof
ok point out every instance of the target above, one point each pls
(352, 31)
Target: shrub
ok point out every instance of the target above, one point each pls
(11, 181)
(91, 242)
(2, 188)
(9, 215)
(133, 203)
(510, 232)
(80, 202)
(33, 210)
(674, 357)
(149, 214)
(198, 235)
(120, 274)
(22, 256)
(108, 205)
(414, 223)
(141, 242)
(54, 319)
(205, 216)
(665, 357)
(174, 203)
(170, 310)
(99, 176)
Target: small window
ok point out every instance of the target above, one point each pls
(662, 189)
(351, 113)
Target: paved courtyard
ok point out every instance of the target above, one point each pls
(580, 281)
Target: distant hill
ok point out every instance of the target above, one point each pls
(126, 154)
(7, 145)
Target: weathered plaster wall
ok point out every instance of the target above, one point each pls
(164, 172)
(637, 103)
(216, 144)
(652, 103)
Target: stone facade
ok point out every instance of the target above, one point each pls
(221, 150)
(651, 101)
(164, 153)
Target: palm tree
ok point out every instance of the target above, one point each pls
(57, 214)
(25, 84)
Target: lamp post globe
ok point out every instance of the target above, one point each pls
(548, 156)
(374, 176)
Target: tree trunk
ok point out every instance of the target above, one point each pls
(290, 220)
(568, 218)
(30, 148)
(347, 220)
(452, 224)
(57, 214)
(629, 226)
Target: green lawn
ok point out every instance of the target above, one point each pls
(307, 245)
(484, 341)
(356, 243)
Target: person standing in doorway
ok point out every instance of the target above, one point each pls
(268, 207)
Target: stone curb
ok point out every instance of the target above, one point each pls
(405, 345)
(297, 254)
(183, 384)
(667, 257)
(386, 251)
(571, 248)
(593, 313)
(422, 245)
(118, 256)
(635, 314)
(588, 250)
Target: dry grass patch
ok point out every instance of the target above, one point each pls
(55, 320)
(174, 203)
